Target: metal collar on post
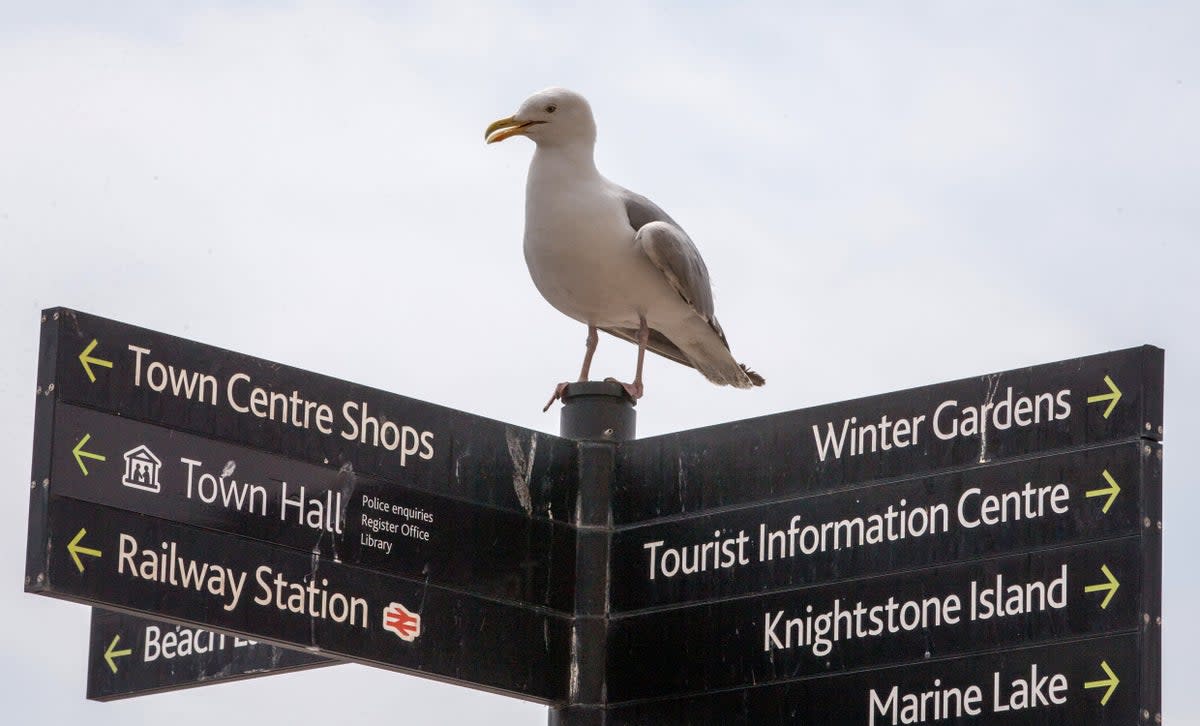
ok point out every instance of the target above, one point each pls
(597, 411)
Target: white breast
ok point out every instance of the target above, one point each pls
(580, 249)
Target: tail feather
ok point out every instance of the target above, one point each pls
(718, 366)
(755, 379)
(705, 350)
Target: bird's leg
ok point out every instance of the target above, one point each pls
(636, 389)
(592, 340)
(643, 341)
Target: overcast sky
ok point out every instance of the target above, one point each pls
(887, 195)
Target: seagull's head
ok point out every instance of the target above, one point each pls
(553, 117)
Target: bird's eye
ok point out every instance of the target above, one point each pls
(551, 108)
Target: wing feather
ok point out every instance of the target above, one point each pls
(673, 252)
(658, 343)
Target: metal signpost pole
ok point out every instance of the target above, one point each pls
(598, 415)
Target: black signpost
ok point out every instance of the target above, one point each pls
(215, 490)
(1075, 682)
(985, 550)
(132, 656)
(352, 518)
(159, 568)
(829, 534)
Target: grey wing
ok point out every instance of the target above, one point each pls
(672, 251)
(641, 210)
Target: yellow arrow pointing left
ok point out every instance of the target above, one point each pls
(75, 549)
(87, 361)
(80, 454)
(112, 653)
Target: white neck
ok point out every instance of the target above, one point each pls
(572, 159)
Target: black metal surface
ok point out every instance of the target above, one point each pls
(578, 716)
(369, 521)
(453, 453)
(587, 691)
(290, 599)
(825, 536)
(1151, 573)
(530, 558)
(597, 411)
(870, 623)
(778, 456)
(43, 439)
(1005, 681)
(500, 497)
(131, 656)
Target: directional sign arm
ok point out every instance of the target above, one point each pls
(75, 549)
(111, 654)
(1110, 683)
(87, 361)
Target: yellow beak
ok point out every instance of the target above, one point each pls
(507, 127)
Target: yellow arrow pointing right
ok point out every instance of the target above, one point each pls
(1112, 490)
(1110, 683)
(1111, 586)
(1113, 395)
(112, 653)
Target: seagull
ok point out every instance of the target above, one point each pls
(609, 258)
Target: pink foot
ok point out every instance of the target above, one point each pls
(635, 389)
(559, 390)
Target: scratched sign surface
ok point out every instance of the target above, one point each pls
(216, 490)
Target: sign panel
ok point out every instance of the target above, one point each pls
(799, 568)
(412, 536)
(149, 566)
(132, 656)
(1082, 402)
(1079, 591)
(835, 534)
(981, 550)
(246, 401)
(336, 513)
(1098, 681)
